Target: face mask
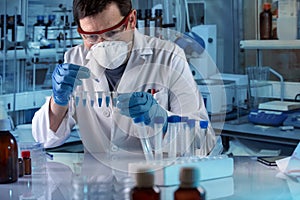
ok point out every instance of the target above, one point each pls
(110, 54)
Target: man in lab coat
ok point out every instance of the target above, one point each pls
(149, 77)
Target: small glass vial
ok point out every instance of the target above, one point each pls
(145, 188)
(189, 188)
(27, 162)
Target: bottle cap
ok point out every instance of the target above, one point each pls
(174, 119)
(40, 18)
(203, 124)
(51, 17)
(139, 119)
(144, 177)
(25, 154)
(266, 6)
(189, 176)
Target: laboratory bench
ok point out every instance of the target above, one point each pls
(272, 135)
(78, 175)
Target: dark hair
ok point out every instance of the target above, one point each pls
(84, 8)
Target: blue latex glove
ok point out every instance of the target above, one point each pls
(140, 103)
(65, 78)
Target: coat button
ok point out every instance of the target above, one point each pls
(106, 113)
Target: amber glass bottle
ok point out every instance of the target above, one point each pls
(265, 22)
(188, 189)
(8, 154)
(145, 189)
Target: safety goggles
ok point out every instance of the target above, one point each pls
(106, 34)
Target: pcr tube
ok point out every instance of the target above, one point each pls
(107, 99)
(77, 98)
(142, 134)
(172, 131)
(158, 134)
(84, 94)
(99, 98)
(92, 102)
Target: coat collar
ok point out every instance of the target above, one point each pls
(140, 44)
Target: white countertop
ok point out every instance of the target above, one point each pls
(64, 176)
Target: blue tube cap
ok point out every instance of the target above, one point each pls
(203, 124)
(174, 119)
(139, 119)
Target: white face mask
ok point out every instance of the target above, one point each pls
(110, 54)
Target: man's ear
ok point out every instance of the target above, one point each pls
(132, 19)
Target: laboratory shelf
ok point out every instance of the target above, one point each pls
(25, 100)
(23, 54)
(270, 44)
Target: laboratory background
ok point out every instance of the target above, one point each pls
(251, 91)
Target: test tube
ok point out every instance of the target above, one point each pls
(172, 131)
(203, 127)
(142, 133)
(190, 137)
(158, 134)
(182, 136)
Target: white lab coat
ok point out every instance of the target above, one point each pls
(153, 64)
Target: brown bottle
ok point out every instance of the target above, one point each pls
(265, 22)
(9, 153)
(145, 189)
(188, 189)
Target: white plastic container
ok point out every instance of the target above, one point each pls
(287, 20)
(287, 28)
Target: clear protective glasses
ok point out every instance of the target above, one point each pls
(108, 34)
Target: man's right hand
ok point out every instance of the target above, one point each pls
(65, 78)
